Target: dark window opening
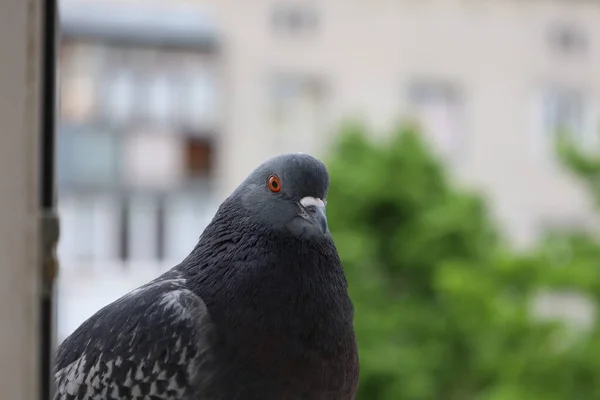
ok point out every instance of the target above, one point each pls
(198, 156)
(568, 39)
(295, 19)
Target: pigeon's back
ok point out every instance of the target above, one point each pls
(159, 342)
(153, 343)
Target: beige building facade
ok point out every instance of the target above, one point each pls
(491, 82)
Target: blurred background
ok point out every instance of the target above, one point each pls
(461, 136)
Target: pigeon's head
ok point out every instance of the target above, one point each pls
(287, 193)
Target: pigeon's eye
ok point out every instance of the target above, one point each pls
(273, 183)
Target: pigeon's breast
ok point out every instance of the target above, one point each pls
(283, 313)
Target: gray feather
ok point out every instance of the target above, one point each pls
(150, 344)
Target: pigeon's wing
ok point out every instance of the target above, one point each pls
(153, 343)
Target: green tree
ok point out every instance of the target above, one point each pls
(442, 307)
(585, 166)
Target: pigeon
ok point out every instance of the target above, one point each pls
(259, 309)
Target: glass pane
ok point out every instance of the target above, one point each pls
(88, 158)
(438, 110)
(90, 228)
(159, 99)
(77, 91)
(143, 228)
(121, 95)
(187, 214)
(84, 226)
(202, 97)
(153, 160)
(439, 121)
(565, 112)
(198, 157)
(297, 112)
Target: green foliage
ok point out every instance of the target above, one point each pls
(442, 308)
(585, 166)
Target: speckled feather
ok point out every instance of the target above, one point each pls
(251, 313)
(150, 344)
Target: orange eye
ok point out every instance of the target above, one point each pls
(273, 183)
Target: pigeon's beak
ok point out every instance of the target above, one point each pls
(315, 210)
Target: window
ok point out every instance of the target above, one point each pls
(160, 97)
(164, 161)
(567, 39)
(294, 19)
(89, 228)
(298, 113)
(438, 109)
(76, 97)
(82, 222)
(143, 225)
(77, 84)
(186, 216)
(83, 88)
(87, 157)
(157, 227)
(117, 85)
(121, 95)
(152, 160)
(569, 111)
(200, 93)
(565, 111)
(198, 156)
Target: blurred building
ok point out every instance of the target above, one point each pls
(143, 83)
(490, 81)
(139, 121)
(167, 106)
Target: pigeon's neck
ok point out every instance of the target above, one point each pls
(281, 301)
